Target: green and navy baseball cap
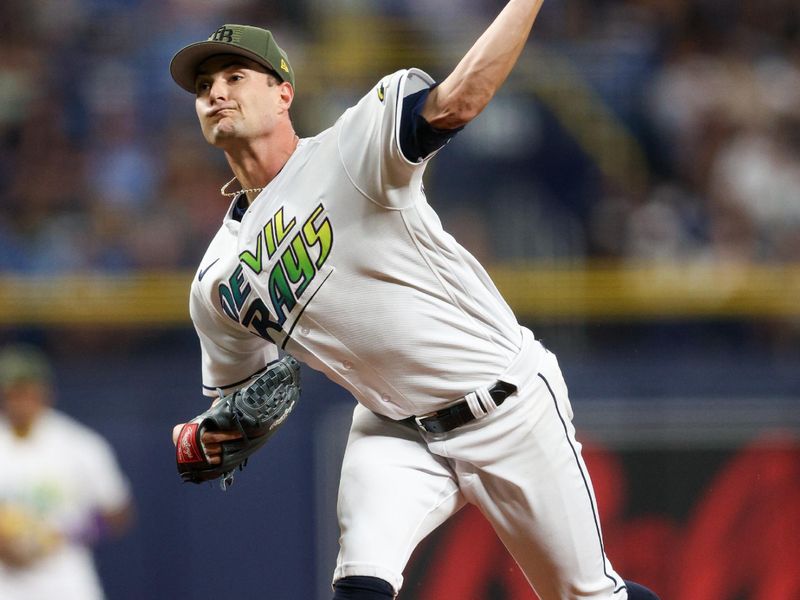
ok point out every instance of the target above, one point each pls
(26, 363)
(244, 40)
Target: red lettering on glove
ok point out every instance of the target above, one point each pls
(187, 448)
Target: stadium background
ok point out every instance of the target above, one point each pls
(634, 190)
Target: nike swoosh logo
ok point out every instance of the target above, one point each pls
(203, 272)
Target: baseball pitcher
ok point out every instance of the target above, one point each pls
(330, 253)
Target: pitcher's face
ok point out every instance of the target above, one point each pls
(237, 99)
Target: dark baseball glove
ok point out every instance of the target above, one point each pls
(255, 411)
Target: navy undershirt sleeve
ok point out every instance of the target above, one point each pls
(418, 139)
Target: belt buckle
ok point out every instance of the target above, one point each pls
(418, 419)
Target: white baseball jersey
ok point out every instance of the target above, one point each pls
(63, 474)
(341, 262)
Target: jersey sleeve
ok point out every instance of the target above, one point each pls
(369, 141)
(229, 357)
(108, 488)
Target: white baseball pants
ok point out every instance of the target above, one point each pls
(520, 465)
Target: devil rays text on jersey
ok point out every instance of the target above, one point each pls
(294, 256)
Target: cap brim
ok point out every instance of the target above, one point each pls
(184, 64)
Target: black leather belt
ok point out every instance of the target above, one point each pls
(459, 413)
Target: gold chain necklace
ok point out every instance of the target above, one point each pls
(224, 188)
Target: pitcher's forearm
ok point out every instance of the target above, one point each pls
(484, 68)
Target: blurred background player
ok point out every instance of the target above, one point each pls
(61, 489)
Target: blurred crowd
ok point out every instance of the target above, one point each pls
(103, 166)
(720, 118)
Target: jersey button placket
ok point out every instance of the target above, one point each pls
(347, 365)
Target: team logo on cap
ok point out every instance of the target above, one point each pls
(223, 34)
(284, 66)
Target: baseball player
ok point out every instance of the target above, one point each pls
(330, 252)
(61, 488)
